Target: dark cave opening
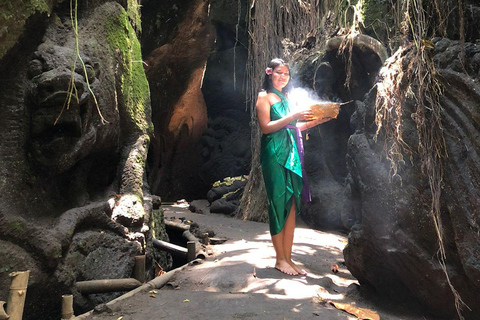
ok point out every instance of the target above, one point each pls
(329, 81)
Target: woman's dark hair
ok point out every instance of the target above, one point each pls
(267, 82)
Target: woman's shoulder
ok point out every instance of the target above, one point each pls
(262, 94)
(268, 96)
(263, 97)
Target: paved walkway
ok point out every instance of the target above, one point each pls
(237, 281)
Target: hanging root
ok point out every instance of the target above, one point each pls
(270, 23)
(391, 92)
(361, 41)
(410, 73)
(72, 90)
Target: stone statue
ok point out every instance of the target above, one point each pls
(75, 122)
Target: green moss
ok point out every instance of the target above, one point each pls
(133, 9)
(18, 227)
(134, 85)
(229, 194)
(378, 19)
(158, 225)
(228, 181)
(13, 16)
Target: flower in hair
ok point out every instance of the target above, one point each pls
(269, 71)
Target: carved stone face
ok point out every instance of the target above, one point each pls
(62, 130)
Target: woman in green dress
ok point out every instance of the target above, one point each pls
(281, 157)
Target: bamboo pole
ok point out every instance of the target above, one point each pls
(199, 253)
(191, 251)
(156, 283)
(139, 268)
(3, 313)
(67, 306)
(189, 236)
(171, 248)
(176, 225)
(107, 285)
(16, 296)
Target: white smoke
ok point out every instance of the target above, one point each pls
(301, 98)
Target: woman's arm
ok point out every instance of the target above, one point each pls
(310, 124)
(263, 115)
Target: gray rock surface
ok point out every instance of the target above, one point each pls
(394, 245)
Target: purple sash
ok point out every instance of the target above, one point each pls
(306, 196)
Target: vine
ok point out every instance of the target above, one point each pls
(353, 31)
(72, 90)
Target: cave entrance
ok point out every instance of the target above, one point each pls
(347, 72)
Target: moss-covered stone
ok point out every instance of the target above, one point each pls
(133, 11)
(18, 227)
(378, 21)
(228, 181)
(134, 85)
(158, 225)
(13, 17)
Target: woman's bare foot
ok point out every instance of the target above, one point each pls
(299, 270)
(285, 267)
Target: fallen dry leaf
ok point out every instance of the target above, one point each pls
(158, 269)
(360, 313)
(334, 268)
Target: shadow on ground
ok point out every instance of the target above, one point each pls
(237, 280)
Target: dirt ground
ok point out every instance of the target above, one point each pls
(237, 281)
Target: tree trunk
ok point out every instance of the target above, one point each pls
(297, 20)
(254, 204)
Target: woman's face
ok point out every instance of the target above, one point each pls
(280, 77)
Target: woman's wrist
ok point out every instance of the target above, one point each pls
(291, 117)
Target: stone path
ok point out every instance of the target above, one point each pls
(237, 281)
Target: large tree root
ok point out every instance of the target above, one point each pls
(362, 42)
(48, 245)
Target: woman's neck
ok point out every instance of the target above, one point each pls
(276, 88)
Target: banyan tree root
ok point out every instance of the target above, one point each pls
(362, 42)
(53, 241)
(16, 296)
(94, 214)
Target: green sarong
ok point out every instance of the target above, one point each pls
(281, 167)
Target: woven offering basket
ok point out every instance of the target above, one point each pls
(325, 109)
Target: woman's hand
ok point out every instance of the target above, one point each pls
(322, 120)
(313, 123)
(263, 106)
(305, 114)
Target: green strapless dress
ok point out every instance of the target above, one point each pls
(281, 167)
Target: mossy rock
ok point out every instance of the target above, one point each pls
(13, 18)
(135, 90)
